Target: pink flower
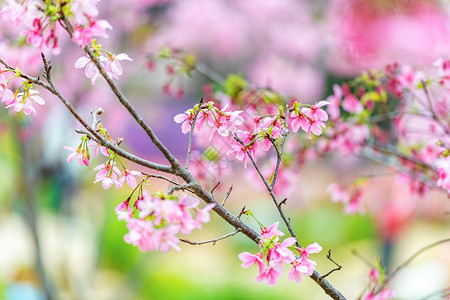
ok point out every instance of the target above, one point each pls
(35, 36)
(168, 239)
(315, 111)
(124, 215)
(141, 234)
(298, 120)
(203, 214)
(268, 233)
(107, 174)
(251, 259)
(335, 100)
(83, 35)
(313, 248)
(304, 265)
(351, 104)
(269, 275)
(113, 66)
(337, 193)
(22, 101)
(78, 153)
(298, 269)
(91, 70)
(146, 204)
(354, 205)
(3, 82)
(186, 119)
(8, 97)
(98, 148)
(281, 252)
(129, 177)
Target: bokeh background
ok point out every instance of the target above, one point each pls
(59, 235)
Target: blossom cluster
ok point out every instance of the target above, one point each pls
(246, 133)
(274, 255)
(40, 21)
(19, 101)
(160, 217)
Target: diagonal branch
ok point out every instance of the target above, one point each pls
(124, 101)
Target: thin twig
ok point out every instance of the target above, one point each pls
(338, 266)
(435, 117)
(279, 151)
(206, 71)
(282, 202)
(443, 293)
(227, 195)
(160, 177)
(272, 195)
(214, 241)
(188, 156)
(214, 188)
(410, 259)
(363, 259)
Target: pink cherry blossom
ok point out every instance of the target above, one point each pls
(203, 214)
(98, 149)
(251, 259)
(22, 101)
(35, 36)
(91, 70)
(269, 275)
(271, 231)
(107, 174)
(352, 104)
(113, 66)
(128, 176)
(186, 119)
(142, 234)
(77, 153)
(168, 239)
(334, 100)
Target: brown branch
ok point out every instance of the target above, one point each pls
(272, 195)
(214, 241)
(125, 103)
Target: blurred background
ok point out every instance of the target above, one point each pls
(59, 235)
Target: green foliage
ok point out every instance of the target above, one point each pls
(234, 85)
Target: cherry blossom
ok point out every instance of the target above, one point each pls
(107, 174)
(113, 66)
(77, 153)
(91, 70)
(128, 176)
(21, 101)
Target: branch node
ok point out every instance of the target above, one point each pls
(338, 266)
(282, 202)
